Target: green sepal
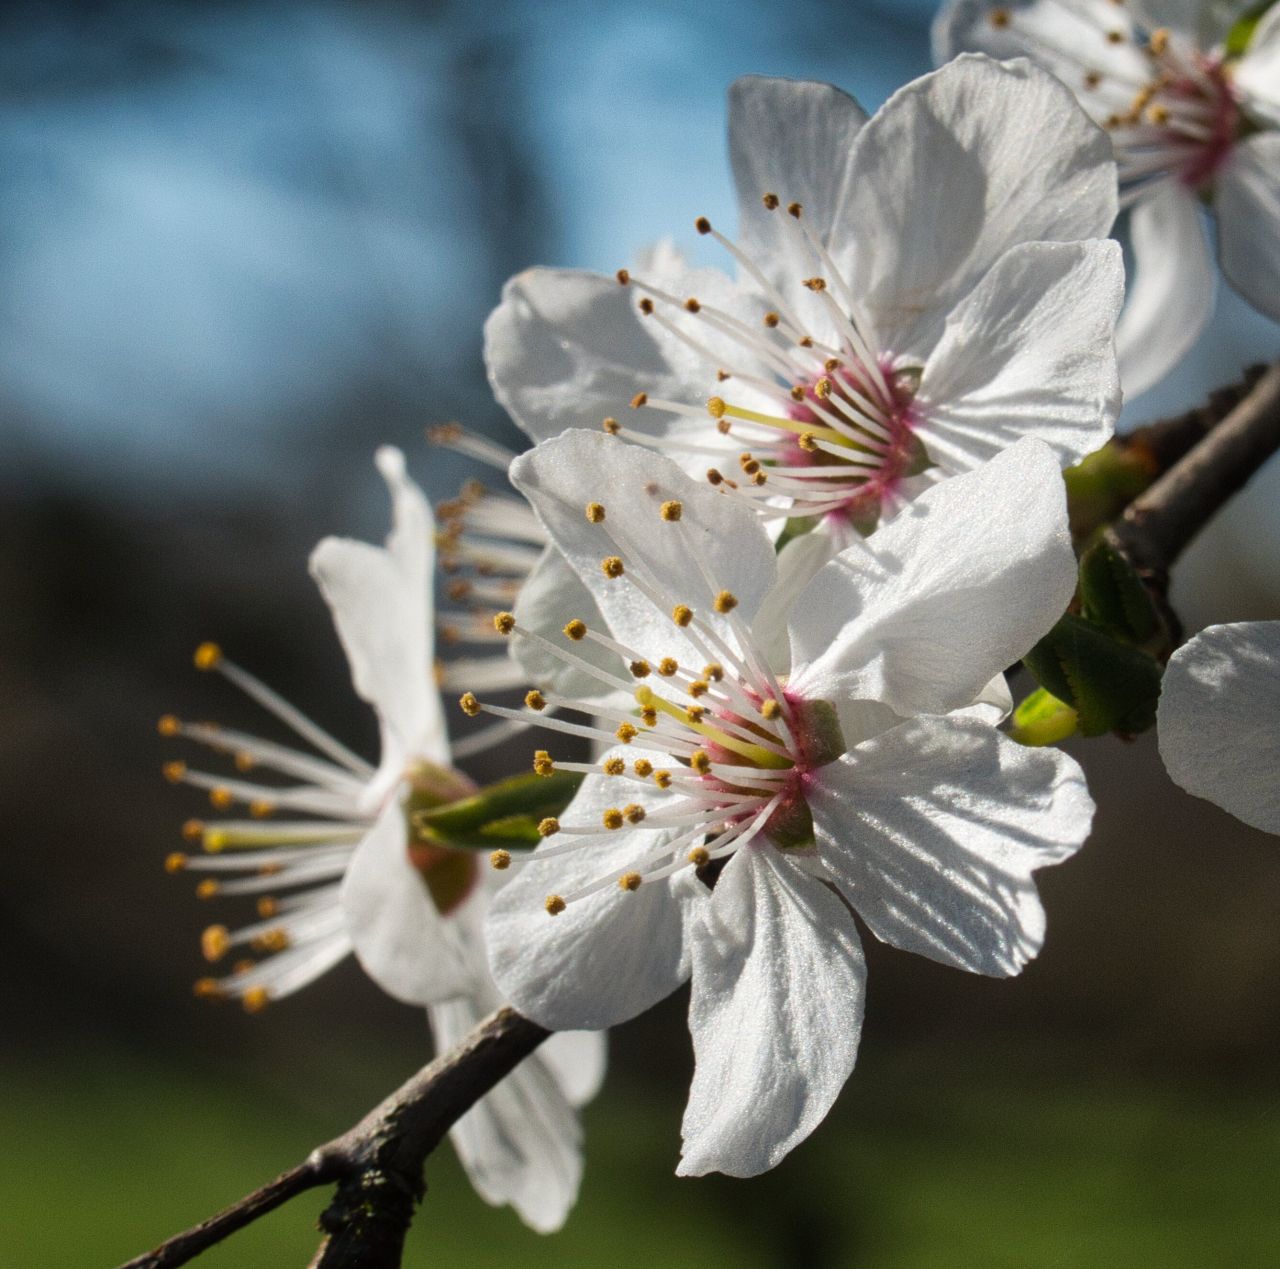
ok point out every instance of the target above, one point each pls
(502, 814)
(1111, 685)
(1042, 719)
(1241, 34)
(1102, 484)
(819, 732)
(1113, 597)
(794, 528)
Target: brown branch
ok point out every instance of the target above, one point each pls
(377, 1164)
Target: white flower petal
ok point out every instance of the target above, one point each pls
(609, 956)
(1171, 290)
(798, 563)
(1248, 209)
(775, 1014)
(951, 592)
(404, 944)
(520, 1143)
(1257, 74)
(577, 1059)
(1030, 351)
(559, 477)
(945, 186)
(932, 832)
(1219, 720)
(381, 601)
(1204, 22)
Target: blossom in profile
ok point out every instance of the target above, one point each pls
(806, 752)
(334, 867)
(1194, 119)
(914, 292)
(1219, 720)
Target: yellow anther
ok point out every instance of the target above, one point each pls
(576, 630)
(626, 733)
(500, 859)
(245, 761)
(595, 512)
(722, 375)
(807, 442)
(639, 669)
(822, 389)
(268, 907)
(649, 716)
(695, 713)
(271, 941)
(1159, 41)
(633, 813)
(270, 870)
(748, 464)
(699, 687)
(714, 477)
(242, 966)
(796, 393)
(169, 725)
(646, 306)
(554, 905)
(193, 830)
(614, 766)
(255, 1000)
(699, 856)
(207, 656)
(1115, 37)
(542, 764)
(672, 510)
(1092, 79)
(214, 942)
(207, 989)
(700, 761)
(692, 305)
(668, 666)
(682, 615)
(770, 709)
(662, 779)
(612, 818)
(458, 589)
(771, 320)
(702, 225)
(816, 285)
(999, 18)
(261, 809)
(214, 840)
(623, 277)
(504, 622)
(771, 201)
(611, 566)
(174, 771)
(221, 797)
(207, 888)
(726, 601)
(713, 671)
(1158, 115)
(640, 399)
(445, 433)
(548, 827)
(468, 704)
(643, 768)
(794, 209)
(716, 407)
(831, 363)
(759, 478)
(175, 861)
(612, 426)
(630, 881)
(533, 699)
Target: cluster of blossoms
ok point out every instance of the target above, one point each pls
(778, 539)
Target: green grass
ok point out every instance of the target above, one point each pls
(928, 1161)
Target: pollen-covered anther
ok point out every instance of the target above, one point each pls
(175, 861)
(699, 687)
(260, 809)
(646, 306)
(797, 393)
(207, 888)
(221, 797)
(714, 477)
(193, 830)
(271, 941)
(614, 766)
(639, 669)
(468, 704)
(750, 466)
(611, 566)
(671, 510)
(716, 407)
(999, 18)
(458, 589)
(174, 771)
(668, 666)
(542, 764)
(255, 1000)
(816, 285)
(771, 320)
(169, 725)
(207, 989)
(207, 656)
(700, 761)
(504, 622)
(268, 907)
(699, 856)
(794, 209)
(245, 761)
(533, 699)
(1115, 37)
(695, 713)
(770, 710)
(500, 859)
(822, 389)
(626, 733)
(575, 630)
(714, 671)
(682, 615)
(623, 276)
(612, 819)
(771, 201)
(554, 905)
(548, 827)
(662, 779)
(612, 426)
(633, 813)
(692, 305)
(1159, 41)
(630, 881)
(759, 478)
(649, 716)
(215, 942)
(643, 768)
(702, 225)
(595, 512)
(726, 601)
(807, 442)
(1158, 114)
(640, 400)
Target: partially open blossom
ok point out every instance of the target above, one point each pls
(344, 871)
(804, 752)
(1192, 125)
(1219, 719)
(913, 294)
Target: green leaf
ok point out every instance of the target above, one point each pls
(1042, 719)
(1241, 34)
(1111, 685)
(1113, 597)
(502, 814)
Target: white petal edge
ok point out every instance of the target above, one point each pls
(1248, 210)
(1257, 74)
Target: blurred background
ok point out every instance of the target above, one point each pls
(242, 245)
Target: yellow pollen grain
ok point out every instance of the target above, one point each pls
(500, 859)
(668, 666)
(548, 827)
(682, 615)
(614, 766)
(214, 942)
(576, 630)
(207, 889)
(533, 699)
(630, 881)
(611, 566)
(174, 771)
(169, 725)
(639, 669)
(504, 622)
(176, 861)
(255, 1000)
(554, 905)
(469, 705)
(716, 407)
(612, 818)
(221, 797)
(807, 442)
(699, 687)
(662, 779)
(207, 656)
(671, 510)
(595, 512)
(726, 601)
(643, 768)
(542, 764)
(649, 716)
(700, 761)
(633, 813)
(695, 713)
(699, 856)
(639, 400)
(612, 426)
(714, 671)
(626, 733)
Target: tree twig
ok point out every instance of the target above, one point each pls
(377, 1164)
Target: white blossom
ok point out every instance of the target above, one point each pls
(1219, 719)
(914, 293)
(823, 748)
(1191, 124)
